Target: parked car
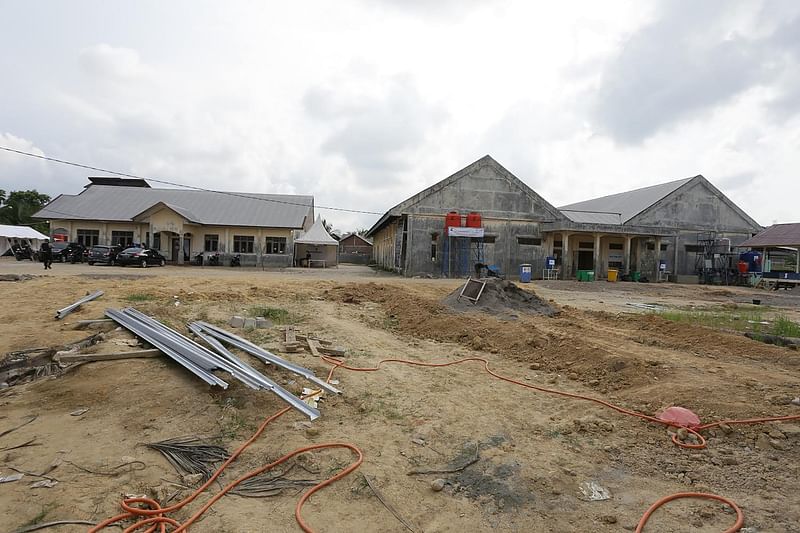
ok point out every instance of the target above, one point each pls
(63, 252)
(103, 254)
(140, 256)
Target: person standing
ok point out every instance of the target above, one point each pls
(47, 254)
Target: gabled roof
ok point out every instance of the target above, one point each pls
(776, 235)
(158, 206)
(486, 160)
(317, 234)
(621, 207)
(218, 208)
(356, 235)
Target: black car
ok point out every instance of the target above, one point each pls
(140, 256)
(63, 252)
(103, 254)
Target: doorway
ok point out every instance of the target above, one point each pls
(176, 246)
(585, 260)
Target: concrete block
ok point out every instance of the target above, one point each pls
(263, 323)
(250, 323)
(237, 322)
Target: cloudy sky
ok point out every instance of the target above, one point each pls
(365, 102)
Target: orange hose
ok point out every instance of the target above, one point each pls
(340, 364)
(739, 515)
(154, 516)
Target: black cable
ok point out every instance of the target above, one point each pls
(164, 182)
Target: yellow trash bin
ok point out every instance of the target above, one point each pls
(612, 274)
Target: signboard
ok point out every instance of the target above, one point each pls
(465, 232)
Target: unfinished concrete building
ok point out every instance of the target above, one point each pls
(652, 231)
(663, 224)
(410, 238)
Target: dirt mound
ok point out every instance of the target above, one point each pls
(500, 297)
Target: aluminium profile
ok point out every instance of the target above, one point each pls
(193, 351)
(266, 383)
(154, 338)
(61, 313)
(264, 355)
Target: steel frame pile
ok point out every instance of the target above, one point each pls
(262, 354)
(200, 360)
(61, 313)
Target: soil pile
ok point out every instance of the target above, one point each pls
(500, 297)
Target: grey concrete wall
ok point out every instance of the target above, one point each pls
(484, 191)
(507, 212)
(505, 252)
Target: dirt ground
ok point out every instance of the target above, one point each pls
(534, 449)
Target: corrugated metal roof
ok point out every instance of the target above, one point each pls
(776, 235)
(623, 206)
(593, 217)
(102, 202)
(317, 234)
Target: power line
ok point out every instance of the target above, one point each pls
(164, 182)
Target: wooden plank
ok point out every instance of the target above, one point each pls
(331, 351)
(321, 341)
(88, 358)
(312, 346)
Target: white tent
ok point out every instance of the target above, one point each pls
(21, 234)
(316, 246)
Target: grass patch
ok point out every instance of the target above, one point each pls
(738, 320)
(140, 297)
(276, 314)
(784, 327)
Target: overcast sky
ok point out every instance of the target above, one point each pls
(363, 103)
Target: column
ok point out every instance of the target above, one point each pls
(596, 250)
(627, 254)
(566, 256)
(658, 257)
(675, 261)
(180, 244)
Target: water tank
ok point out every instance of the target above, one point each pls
(474, 220)
(452, 219)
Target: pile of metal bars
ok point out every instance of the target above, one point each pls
(201, 361)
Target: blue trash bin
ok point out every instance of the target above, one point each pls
(525, 273)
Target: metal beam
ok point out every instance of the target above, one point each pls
(264, 355)
(61, 313)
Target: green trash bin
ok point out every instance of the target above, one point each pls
(590, 275)
(581, 275)
(636, 276)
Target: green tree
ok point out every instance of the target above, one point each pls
(17, 208)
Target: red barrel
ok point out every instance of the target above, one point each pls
(453, 219)
(474, 220)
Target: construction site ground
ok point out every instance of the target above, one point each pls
(534, 449)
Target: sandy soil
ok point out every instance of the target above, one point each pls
(534, 449)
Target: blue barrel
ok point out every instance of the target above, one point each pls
(525, 273)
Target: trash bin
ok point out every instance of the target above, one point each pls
(636, 276)
(525, 273)
(579, 275)
(612, 274)
(590, 275)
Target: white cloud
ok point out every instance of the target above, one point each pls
(365, 103)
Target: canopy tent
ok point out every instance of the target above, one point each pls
(316, 246)
(21, 234)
